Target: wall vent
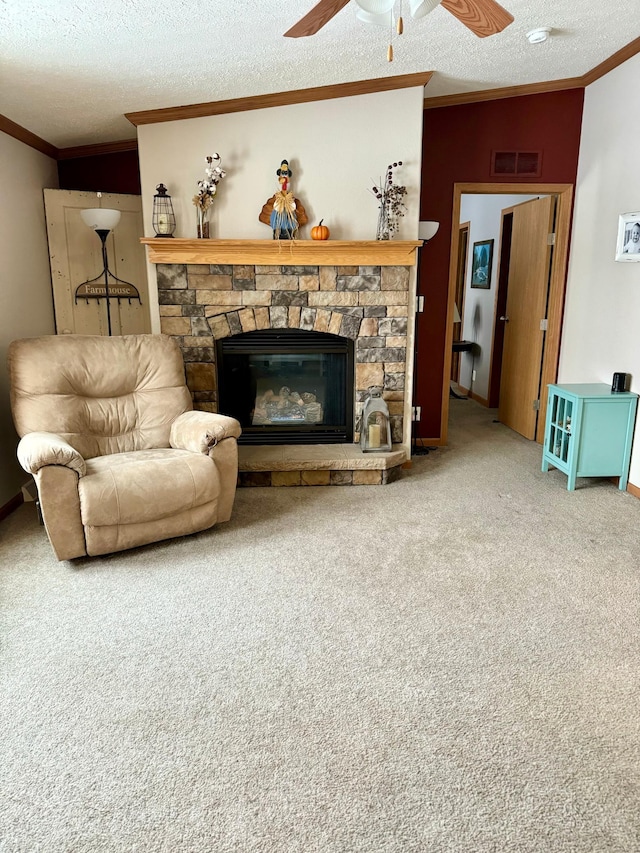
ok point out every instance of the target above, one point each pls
(523, 164)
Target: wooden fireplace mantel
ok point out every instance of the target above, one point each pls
(377, 253)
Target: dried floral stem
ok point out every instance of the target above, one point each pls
(208, 187)
(392, 206)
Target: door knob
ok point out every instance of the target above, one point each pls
(506, 319)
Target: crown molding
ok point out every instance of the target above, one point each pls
(582, 82)
(23, 135)
(319, 93)
(612, 62)
(98, 148)
(280, 99)
(505, 92)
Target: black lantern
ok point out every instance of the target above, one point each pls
(164, 220)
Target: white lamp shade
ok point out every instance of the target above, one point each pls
(427, 229)
(376, 7)
(456, 314)
(385, 19)
(420, 8)
(100, 218)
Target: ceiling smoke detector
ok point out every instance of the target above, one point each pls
(539, 35)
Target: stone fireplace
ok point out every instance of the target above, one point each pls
(368, 305)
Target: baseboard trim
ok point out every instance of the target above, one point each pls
(633, 490)
(11, 505)
(482, 400)
(467, 392)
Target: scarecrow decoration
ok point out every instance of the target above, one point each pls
(282, 212)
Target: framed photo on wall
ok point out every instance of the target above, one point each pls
(628, 245)
(481, 261)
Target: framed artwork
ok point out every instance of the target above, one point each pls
(628, 245)
(481, 261)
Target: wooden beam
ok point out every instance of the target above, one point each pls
(280, 99)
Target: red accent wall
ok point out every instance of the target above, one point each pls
(458, 143)
(108, 173)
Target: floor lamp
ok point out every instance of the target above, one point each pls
(427, 229)
(103, 221)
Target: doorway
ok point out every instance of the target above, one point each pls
(549, 352)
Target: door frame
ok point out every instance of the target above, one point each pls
(557, 286)
(461, 273)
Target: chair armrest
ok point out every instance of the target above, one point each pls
(200, 431)
(37, 449)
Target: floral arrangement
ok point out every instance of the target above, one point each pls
(392, 206)
(208, 187)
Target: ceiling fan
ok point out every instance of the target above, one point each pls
(482, 17)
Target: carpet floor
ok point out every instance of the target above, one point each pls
(446, 664)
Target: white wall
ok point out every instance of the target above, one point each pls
(26, 303)
(336, 149)
(602, 311)
(483, 212)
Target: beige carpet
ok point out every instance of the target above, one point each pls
(447, 663)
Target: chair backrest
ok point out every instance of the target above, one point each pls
(101, 394)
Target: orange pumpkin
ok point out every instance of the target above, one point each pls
(320, 231)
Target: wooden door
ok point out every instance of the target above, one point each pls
(75, 253)
(528, 287)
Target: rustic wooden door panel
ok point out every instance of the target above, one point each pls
(75, 254)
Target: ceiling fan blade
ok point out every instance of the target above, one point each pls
(482, 17)
(315, 20)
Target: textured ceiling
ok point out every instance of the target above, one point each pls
(70, 69)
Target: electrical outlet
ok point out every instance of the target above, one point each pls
(473, 376)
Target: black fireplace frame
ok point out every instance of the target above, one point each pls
(289, 341)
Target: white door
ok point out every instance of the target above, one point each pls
(75, 252)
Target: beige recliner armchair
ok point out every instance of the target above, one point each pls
(119, 457)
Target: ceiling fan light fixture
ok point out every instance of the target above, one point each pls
(420, 8)
(385, 19)
(376, 7)
(538, 35)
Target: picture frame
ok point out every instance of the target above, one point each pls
(481, 263)
(628, 243)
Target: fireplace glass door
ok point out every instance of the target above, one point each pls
(287, 386)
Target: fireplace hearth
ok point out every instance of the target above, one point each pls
(288, 386)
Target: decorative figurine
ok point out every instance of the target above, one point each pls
(284, 213)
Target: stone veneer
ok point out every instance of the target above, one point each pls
(200, 303)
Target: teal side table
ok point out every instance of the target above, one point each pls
(589, 432)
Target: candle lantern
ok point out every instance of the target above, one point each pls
(164, 221)
(375, 426)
